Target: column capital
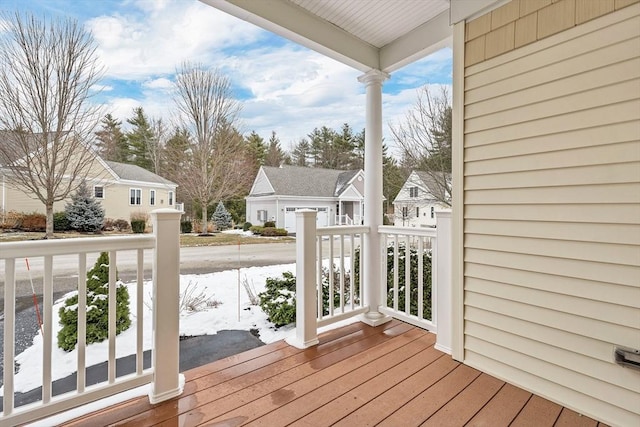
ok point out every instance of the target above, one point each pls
(373, 76)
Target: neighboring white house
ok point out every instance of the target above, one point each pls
(415, 205)
(122, 189)
(277, 192)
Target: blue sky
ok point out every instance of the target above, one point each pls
(282, 86)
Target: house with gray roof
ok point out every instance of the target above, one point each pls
(122, 189)
(277, 192)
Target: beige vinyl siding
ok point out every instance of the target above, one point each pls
(552, 214)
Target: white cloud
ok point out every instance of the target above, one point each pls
(135, 46)
(160, 84)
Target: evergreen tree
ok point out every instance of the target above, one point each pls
(275, 155)
(221, 217)
(140, 139)
(300, 154)
(97, 308)
(84, 213)
(111, 141)
(257, 148)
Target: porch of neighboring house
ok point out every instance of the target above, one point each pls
(357, 375)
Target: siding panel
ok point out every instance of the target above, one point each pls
(552, 215)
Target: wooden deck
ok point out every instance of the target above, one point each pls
(357, 376)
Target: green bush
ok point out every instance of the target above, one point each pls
(186, 226)
(97, 308)
(269, 224)
(60, 222)
(246, 226)
(272, 232)
(278, 301)
(138, 225)
(426, 275)
(256, 229)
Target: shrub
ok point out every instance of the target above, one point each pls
(97, 308)
(12, 220)
(115, 225)
(121, 225)
(139, 222)
(246, 226)
(138, 225)
(269, 224)
(186, 226)
(272, 232)
(278, 301)
(60, 222)
(34, 222)
(426, 275)
(84, 212)
(256, 229)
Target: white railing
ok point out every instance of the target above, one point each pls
(344, 298)
(419, 294)
(338, 273)
(418, 282)
(343, 220)
(163, 375)
(179, 207)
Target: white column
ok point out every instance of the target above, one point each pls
(372, 251)
(166, 382)
(443, 291)
(306, 295)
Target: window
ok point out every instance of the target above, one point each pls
(417, 212)
(413, 191)
(262, 215)
(135, 196)
(405, 211)
(433, 212)
(170, 198)
(152, 197)
(98, 191)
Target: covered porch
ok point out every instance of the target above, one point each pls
(357, 375)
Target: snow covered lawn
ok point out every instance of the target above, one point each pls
(229, 313)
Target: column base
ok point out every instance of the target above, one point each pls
(374, 318)
(170, 394)
(297, 343)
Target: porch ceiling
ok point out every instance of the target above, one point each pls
(364, 34)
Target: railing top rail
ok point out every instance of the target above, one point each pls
(342, 229)
(407, 231)
(34, 248)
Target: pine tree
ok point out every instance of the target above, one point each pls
(97, 308)
(275, 155)
(84, 212)
(221, 217)
(111, 141)
(140, 139)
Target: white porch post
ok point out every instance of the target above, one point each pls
(166, 316)
(443, 311)
(372, 252)
(306, 308)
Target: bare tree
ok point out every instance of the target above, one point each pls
(424, 139)
(47, 70)
(216, 166)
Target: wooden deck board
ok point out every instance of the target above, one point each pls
(357, 376)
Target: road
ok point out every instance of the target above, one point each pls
(193, 260)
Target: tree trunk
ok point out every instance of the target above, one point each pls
(204, 218)
(49, 228)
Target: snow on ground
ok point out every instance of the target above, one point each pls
(221, 287)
